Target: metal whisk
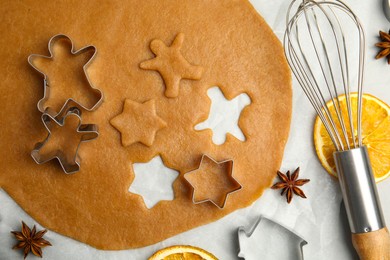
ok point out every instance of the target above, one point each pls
(325, 48)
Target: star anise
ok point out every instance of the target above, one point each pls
(288, 183)
(385, 45)
(30, 240)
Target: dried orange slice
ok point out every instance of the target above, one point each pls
(375, 134)
(182, 253)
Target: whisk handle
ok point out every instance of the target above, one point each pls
(373, 245)
(370, 236)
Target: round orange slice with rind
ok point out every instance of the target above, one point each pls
(182, 253)
(375, 134)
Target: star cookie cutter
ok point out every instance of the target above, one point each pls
(265, 239)
(46, 85)
(88, 131)
(230, 165)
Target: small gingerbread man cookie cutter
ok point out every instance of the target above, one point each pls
(46, 85)
(88, 131)
(230, 174)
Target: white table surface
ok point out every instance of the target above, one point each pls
(318, 219)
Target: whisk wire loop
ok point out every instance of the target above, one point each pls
(322, 59)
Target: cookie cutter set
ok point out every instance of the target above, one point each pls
(51, 118)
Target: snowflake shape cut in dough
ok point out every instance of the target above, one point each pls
(224, 115)
(153, 181)
(138, 122)
(171, 65)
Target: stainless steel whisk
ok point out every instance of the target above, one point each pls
(328, 62)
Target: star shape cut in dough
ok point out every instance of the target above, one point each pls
(138, 122)
(153, 181)
(171, 65)
(213, 181)
(63, 141)
(224, 115)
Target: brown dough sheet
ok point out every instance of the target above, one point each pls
(227, 38)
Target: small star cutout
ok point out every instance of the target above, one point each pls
(138, 122)
(224, 115)
(64, 139)
(65, 62)
(171, 65)
(212, 181)
(153, 181)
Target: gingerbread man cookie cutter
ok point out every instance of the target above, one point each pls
(46, 85)
(230, 167)
(88, 132)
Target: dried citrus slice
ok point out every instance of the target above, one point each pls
(182, 253)
(375, 134)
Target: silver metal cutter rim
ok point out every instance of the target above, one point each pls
(46, 86)
(242, 231)
(90, 132)
(227, 194)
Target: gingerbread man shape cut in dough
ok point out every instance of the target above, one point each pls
(171, 65)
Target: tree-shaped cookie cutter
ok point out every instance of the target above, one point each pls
(88, 131)
(46, 85)
(230, 163)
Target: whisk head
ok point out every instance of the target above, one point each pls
(325, 47)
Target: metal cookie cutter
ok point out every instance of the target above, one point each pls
(386, 8)
(88, 132)
(268, 240)
(46, 85)
(221, 201)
